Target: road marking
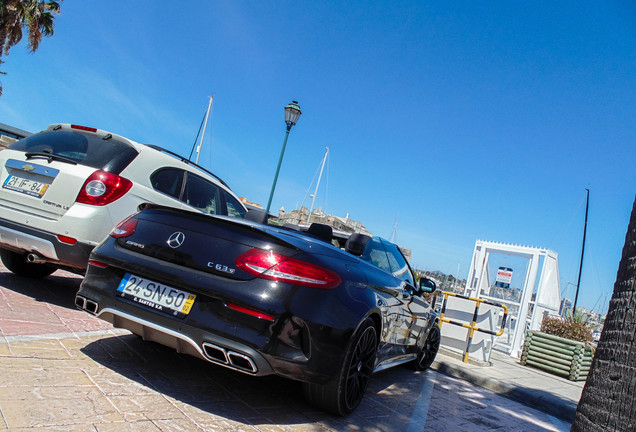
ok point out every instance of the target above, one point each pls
(420, 411)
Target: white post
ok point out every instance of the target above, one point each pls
(520, 328)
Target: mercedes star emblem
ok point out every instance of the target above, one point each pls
(176, 239)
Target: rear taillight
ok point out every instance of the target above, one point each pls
(272, 266)
(103, 188)
(125, 228)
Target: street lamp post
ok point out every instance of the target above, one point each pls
(292, 113)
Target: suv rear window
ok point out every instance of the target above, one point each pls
(109, 155)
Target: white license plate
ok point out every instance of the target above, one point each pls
(157, 296)
(25, 186)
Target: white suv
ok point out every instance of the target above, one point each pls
(65, 188)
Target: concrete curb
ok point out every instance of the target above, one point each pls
(545, 402)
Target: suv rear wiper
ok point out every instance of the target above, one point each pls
(50, 157)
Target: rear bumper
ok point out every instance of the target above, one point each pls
(215, 349)
(24, 239)
(236, 347)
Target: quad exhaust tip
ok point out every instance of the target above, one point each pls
(86, 304)
(228, 358)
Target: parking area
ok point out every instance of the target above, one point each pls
(62, 369)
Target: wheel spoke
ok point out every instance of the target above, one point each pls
(430, 349)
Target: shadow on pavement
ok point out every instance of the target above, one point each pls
(390, 404)
(542, 400)
(398, 399)
(58, 289)
(208, 387)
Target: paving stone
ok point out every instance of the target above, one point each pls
(152, 406)
(133, 426)
(55, 412)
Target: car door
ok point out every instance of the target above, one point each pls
(414, 309)
(387, 291)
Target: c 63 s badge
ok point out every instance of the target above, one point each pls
(221, 268)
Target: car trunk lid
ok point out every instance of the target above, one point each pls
(43, 174)
(39, 186)
(201, 242)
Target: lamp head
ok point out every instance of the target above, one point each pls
(292, 113)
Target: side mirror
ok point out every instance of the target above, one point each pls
(427, 285)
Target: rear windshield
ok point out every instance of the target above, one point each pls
(110, 155)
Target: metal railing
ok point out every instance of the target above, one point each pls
(472, 327)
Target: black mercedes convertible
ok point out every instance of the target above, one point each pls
(262, 299)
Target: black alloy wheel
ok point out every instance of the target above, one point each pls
(360, 367)
(427, 354)
(18, 264)
(344, 393)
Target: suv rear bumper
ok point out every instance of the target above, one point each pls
(24, 239)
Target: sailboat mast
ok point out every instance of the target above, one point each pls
(318, 183)
(578, 283)
(207, 113)
(393, 234)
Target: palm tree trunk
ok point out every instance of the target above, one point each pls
(608, 402)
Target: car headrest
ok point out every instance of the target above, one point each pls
(322, 231)
(256, 215)
(356, 243)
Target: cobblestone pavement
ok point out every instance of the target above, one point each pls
(64, 370)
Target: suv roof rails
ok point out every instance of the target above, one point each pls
(188, 161)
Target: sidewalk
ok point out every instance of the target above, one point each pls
(62, 369)
(546, 392)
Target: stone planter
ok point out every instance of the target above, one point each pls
(557, 355)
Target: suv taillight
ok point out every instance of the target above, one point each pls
(269, 265)
(103, 188)
(125, 228)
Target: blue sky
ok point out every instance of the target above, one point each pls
(466, 121)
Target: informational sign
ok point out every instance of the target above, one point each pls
(504, 276)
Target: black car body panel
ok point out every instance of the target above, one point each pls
(255, 325)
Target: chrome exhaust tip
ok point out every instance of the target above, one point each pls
(215, 353)
(91, 307)
(241, 362)
(80, 302)
(34, 258)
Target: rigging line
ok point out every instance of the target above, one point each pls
(574, 214)
(197, 137)
(310, 186)
(593, 262)
(567, 231)
(597, 301)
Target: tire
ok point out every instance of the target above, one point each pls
(18, 264)
(344, 393)
(428, 352)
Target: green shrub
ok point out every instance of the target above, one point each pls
(569, 328)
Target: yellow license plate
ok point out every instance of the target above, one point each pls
(155, 295)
